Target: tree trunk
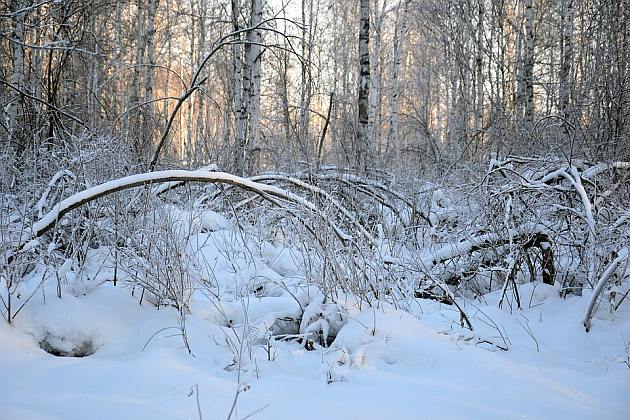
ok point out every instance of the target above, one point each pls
(135, 134)
(306, 81)
(525, 96)
(17, 73)
(375, 72)
(148, 61)
(565, 75)
(479, 79)
(118, 96)
(201, 131)
(190, 130)
(254, 68)
(237, 94)
(399, 42)
(362, 145)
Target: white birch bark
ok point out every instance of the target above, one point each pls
(375, 71)
(118, 98)
(134, 97)
(17, 71)
(567, 58)
(362, 145)
(150, 51)
(254, 67)
(237, 93)
(305, 76)
(139, 53)
(190, 130)
(479, 79)
(200, 140)
(399, 42)
(525, 95)
(517, 84)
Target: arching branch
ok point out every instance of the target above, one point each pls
(50, 219)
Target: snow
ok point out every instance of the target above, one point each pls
(405, 370)
(410, 367)
(537, 362)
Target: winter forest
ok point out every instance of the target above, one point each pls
(283, 209)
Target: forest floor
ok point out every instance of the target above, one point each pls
(384, 363)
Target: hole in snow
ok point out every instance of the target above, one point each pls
(63, 347)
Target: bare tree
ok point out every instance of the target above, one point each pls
(567, 57)
(399, 42)
(17, 72)
(363, 141)
(525, 93)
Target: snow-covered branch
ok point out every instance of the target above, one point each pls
(603, 280)
(49, 220)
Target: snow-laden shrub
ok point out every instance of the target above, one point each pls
(156, 260)
(578, 205)
(321, 321)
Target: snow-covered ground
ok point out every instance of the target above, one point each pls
(384, 363)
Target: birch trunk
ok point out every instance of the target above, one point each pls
(201, 132)
(237, 93)
(254, 67)
(399, 42)
(150, 50)
(517, 85)
(118, 96)
(305, 78)
(479, 79)
(135, 135)
(190, 141)
(362, 145)
(17, 72)
(375, 73)
(527, 94)
(567, 58)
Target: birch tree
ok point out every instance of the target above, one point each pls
(525, 94)
(399, 42)
(306, 79)
(18, 16)
(479, 69)
(565, 75)
(376, 70)
(238, 102)
(149, 40)
(253, 65)
(135, 132)
(362, 145)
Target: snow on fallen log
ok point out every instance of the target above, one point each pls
(595, 170)
(528, 235)
(49, 220)
(450, 251)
